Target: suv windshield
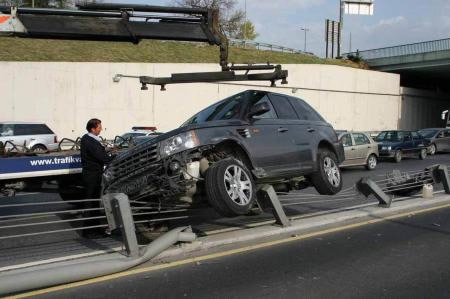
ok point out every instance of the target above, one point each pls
(390, 136)
(229, 108)
(428, 133)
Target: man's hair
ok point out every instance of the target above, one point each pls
(92, 124)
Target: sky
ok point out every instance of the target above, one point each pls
(394, 22)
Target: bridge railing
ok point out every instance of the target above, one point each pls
(409, 49)
(258, 45)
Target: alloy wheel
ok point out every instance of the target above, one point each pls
(332, 172)
(238, 185)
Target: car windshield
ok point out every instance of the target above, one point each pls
(428, 133)
(390, 136)
(229, 108)
(132, 134)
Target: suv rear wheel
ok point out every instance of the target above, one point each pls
(327, 180)
(39, 148)
(230, 188)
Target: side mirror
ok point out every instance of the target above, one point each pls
(259, 109)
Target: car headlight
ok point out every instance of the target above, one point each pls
(386, 148)
(179, 143)
(108, 175)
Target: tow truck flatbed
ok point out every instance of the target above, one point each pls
(40, 165)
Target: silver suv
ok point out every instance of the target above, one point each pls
(35, 136)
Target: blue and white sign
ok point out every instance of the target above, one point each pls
(26, 167)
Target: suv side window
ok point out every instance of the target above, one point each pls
(31, 129)
(415, 135)
(6, 130)
(43, 129)
(22, 129)
(447, 133)
(305, 111)
(283, 108)
(360, 139)
(231, 110)
(346, 140)
(257, 99)
(407, 136)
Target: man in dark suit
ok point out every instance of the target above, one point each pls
(93, 160)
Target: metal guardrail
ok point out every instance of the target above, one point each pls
(258, 45)
(408, 49)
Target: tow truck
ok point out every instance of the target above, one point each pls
(120, 23)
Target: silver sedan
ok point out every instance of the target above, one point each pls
(360, 150)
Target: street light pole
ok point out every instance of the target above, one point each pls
(341, 24)
(306, 30)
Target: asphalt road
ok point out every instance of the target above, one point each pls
(32, 248)
(399, 258)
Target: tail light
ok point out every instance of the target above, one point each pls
(55, 139)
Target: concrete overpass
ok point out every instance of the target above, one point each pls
(421, 65)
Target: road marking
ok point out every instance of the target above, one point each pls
(220, 254)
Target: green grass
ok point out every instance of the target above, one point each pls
(24, 49)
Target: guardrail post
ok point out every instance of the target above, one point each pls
(269, 198)
(440, 175)
(118, 214)
(368, 187)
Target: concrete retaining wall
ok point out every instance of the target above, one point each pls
(66, 95)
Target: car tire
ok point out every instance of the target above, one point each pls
(230, 188)
(432, 149)
(423, 154)
(398, 156)
(327, 180)
(39, 148)
(372, 162)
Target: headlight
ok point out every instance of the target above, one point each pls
(386, 148)
(108, 175)
(179, 143)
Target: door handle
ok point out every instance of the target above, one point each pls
(282, 130)
(310, 130)
(353, 149)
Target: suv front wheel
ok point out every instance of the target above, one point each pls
(230, 188)
(327, 180)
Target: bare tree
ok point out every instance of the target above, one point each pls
(231, 19)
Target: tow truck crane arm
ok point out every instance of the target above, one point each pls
(132, 23)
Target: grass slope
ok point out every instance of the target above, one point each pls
(24, 49)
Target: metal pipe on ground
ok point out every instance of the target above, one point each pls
(19, 281)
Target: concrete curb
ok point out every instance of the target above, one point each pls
(307, 224)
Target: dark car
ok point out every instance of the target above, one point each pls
(399, 144)
(438, 138)
(229, 148)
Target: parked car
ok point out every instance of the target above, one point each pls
(227, 149)
(136, 136)
(35, 136)
(438, 138)
(399, 144)
(360, 149)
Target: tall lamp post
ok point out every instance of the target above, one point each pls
(306, 30)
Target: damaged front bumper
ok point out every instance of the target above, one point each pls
(145, 174)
